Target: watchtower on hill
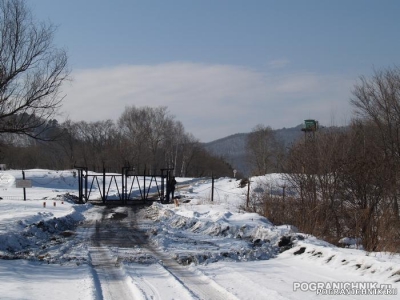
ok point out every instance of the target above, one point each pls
(309, 129)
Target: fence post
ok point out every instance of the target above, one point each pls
(80, 185)
(212, 187)
(283, 192)
(162, 198)
(144, 184)
(23, 177)
(248, 194)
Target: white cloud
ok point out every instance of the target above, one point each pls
(212, 101)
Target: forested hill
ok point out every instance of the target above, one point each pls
(233, 148)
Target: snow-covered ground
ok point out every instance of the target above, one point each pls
(46, 249)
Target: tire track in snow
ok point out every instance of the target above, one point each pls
(198, 285)
(276, 280)
(125, 228)
(238, 281)
(112, 279)
(148, 289)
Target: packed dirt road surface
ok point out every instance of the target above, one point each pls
(121, 235)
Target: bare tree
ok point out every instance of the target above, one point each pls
(31, 70)
(146, 129)
(377, 101)
(154, 139)
(96, 143)
(262, 147)
(344, 188)
(179, 147)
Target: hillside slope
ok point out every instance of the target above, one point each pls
(233, 148)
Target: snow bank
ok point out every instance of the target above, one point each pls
(6, 180)
(27, 228)
(24, 279)
(374, 266)
(203, 234)
(211, 233)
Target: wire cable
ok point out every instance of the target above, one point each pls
(226, 191)
(203, 190)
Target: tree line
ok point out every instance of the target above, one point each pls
(346, 180)
(143, 138)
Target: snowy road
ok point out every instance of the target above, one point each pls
(123, 229)
(128, 266)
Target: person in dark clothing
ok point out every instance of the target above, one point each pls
(172, 183)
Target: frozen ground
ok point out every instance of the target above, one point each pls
(199, 250)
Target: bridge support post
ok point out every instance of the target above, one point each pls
(165, 190)
(81, 196)
(104, 185)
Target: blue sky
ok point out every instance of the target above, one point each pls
(222, 67)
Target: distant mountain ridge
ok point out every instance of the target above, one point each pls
(233, 148)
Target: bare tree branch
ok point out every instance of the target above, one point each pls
(32, 70)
